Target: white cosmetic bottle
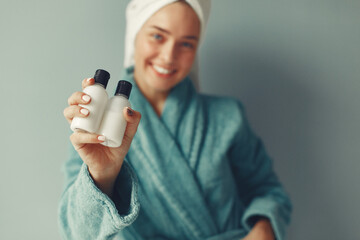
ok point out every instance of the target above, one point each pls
(97, 105)
(113, 124)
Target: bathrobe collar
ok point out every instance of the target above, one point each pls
(163, 146)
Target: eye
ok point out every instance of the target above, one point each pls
(187, 45)
(157, 36)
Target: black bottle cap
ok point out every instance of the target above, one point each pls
(123, 88)
(102, 77)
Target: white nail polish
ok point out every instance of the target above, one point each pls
(86, 98)
(113, 124)
(84, 111)
(97, 106)
(101, 138)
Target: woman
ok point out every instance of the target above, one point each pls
(194, 165)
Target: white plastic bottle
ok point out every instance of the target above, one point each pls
(113, 124)
(97, 105)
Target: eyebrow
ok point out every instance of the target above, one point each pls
(190, 37)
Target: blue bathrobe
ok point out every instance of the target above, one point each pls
(196, 172)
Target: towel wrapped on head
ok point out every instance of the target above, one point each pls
(139, 11)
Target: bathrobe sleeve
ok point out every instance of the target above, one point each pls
(87, 213)
(258, 185)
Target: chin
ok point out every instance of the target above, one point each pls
(165, 84)
(163, 87)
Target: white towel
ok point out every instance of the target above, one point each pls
(139, 11)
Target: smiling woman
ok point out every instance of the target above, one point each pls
(200, 170)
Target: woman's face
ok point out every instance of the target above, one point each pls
(165, 48)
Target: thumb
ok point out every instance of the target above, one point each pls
(132, 118)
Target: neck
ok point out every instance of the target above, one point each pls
(155, 98)
(157, 101)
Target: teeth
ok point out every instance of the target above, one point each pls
(162, 70)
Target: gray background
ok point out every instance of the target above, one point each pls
(294, 64)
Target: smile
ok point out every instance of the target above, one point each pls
(162, 70)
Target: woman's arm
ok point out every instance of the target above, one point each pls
(96, 174)
(258, 185)
(85, 212)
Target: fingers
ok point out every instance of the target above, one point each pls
(87, 82)
(79, 98)
(133, 119)
(75, 111)
(79, 138)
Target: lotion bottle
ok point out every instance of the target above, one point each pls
(97, 105)
(113, 124)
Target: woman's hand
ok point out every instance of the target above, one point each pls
(104, 163)
(262, 230)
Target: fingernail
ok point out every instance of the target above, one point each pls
(129, 111)
(101, 138)
(84, 111)
(88, 79)
(86, 98)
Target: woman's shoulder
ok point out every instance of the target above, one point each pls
(222, 108)
(220, 103)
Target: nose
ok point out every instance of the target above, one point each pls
(168, 52)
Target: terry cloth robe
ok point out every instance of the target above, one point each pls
(198, 172)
